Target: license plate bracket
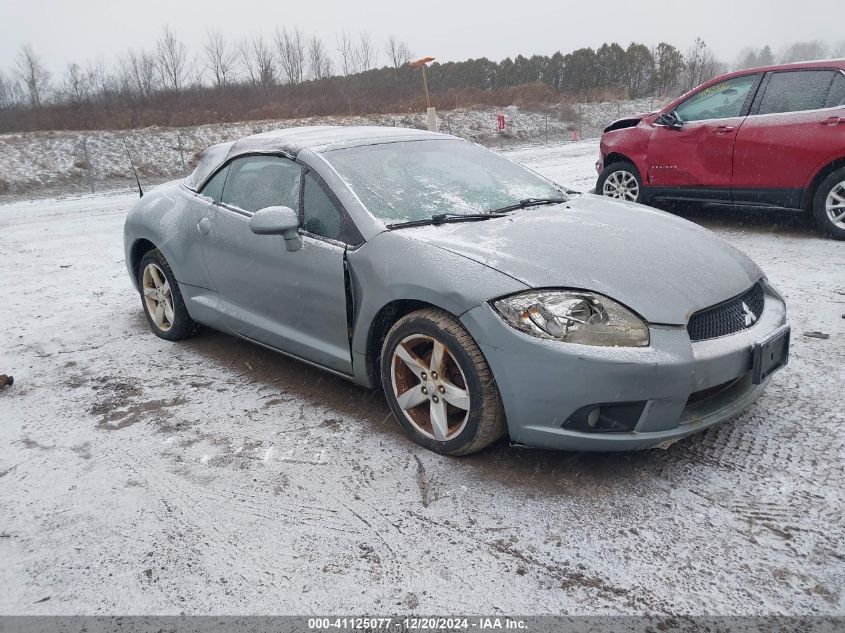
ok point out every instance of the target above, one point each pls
(770, 355)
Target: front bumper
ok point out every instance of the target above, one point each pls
(683, 387)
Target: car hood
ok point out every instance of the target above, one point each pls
(631, 121)
(660, 266)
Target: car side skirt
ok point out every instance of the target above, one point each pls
(774, 198)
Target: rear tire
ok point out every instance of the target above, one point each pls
(439, 386)
(621, 180)
(161, 299)
(829, 205)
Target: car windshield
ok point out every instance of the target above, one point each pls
(415, 180)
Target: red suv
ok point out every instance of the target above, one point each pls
(763, 137)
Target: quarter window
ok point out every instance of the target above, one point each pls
(320, 215)
(796, 91)
(722, 100)
(214, 187)
(837, 92)
(256, 182)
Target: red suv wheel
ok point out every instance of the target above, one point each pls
(621, 180)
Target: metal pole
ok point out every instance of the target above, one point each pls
(425, 86)
(430, 113)
(181, 154)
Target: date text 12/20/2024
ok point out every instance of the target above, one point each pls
(416, 624)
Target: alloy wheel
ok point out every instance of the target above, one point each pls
(835, 205)
(158, 297)
(622, 185)
(430, 387)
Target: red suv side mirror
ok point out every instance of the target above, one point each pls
(670, 120)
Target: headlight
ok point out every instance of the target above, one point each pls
(574, 317)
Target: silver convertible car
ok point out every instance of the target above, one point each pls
(482, 298)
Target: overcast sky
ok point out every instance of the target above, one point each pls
(79, 30)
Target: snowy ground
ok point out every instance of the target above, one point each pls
(212, 476)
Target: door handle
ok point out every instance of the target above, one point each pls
(834, 120)
(724, 129)
(204, 226)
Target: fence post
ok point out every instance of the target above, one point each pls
(547, 128)
(181, 153)
(88, 168)
(580, 122)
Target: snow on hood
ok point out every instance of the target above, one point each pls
(661, 266)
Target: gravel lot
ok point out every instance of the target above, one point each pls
(212, 476)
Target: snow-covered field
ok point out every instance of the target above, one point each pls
(212, 476)
(64, 161)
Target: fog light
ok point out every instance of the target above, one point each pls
(606, 417)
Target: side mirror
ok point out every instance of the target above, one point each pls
(282, 221)
(671, 120)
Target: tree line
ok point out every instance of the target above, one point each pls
(291, 74)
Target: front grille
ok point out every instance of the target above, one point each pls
(733, 315)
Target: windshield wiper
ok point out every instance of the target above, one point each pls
(529, 202)
(443, 218)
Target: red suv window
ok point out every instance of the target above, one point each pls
(723, 100)
(796, 91)
(837, 92)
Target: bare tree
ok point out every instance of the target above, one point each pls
(319, 62)
(75, 87)
(804, 51)
(5, 91)
(397, 52)
(102, 84)
(246, 60)
(172, 60)
(33, 74)
(346, 54)
(700, 65)
(9, 91)
(257, 59)
(196, 72)
(290, 45)
(142, 70)
(365, 52)
(220, 58)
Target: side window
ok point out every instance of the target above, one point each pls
(323, 215)
(796, 91)
(836, 97)
(256, 182)
(722, 100)
(214, 187)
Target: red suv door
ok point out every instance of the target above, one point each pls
(794, 128)
(696, 161)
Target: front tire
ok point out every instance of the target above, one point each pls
(621, 180)
(439, 386)
(161, 299)
(829, 205)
